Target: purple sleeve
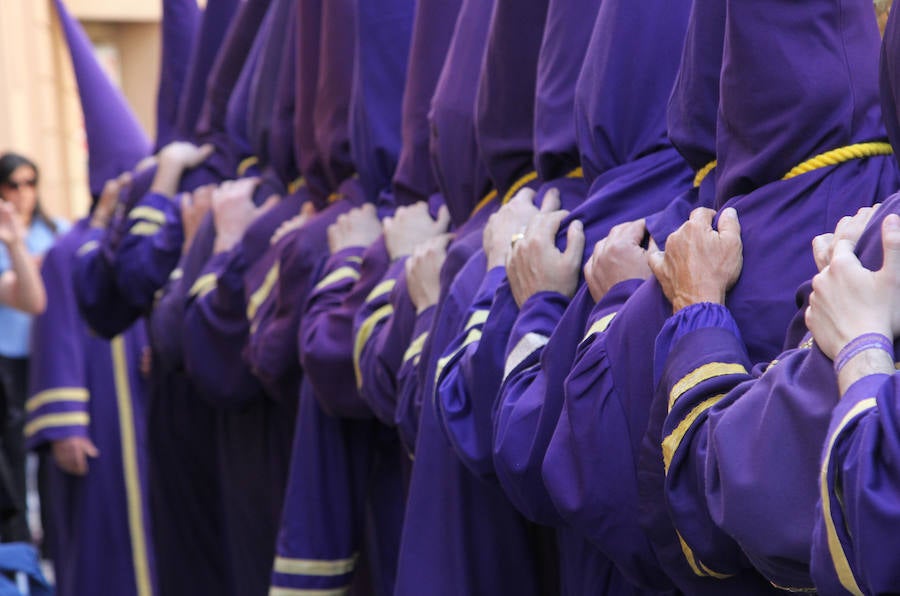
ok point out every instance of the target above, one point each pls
(855, 540)
(383, 327)
(100, 301)
(149, 251)
(707, 360)
(410, 379)
(274, 310)
(59, 386)
(471, 370)
(595, 440)
(215, 332)
(326, 328)
(741, 438)
(524, 420)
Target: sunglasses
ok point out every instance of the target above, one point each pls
(17, 185)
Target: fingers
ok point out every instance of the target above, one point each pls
(270, 202)
(657, 260)
(890, 241)
(443, 218)
(632, 231)
(729, 224)
(574, 243)
(308, 209)
(90, 449)
(204, 152)
(822, 245)
(702, 216)
(551, 201)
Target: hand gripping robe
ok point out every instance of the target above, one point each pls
(589, 466)
(634, 171)
(83, 386)
(714, 544)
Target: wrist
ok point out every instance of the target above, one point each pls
(864, 364)
(685, 300)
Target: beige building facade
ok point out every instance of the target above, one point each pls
(40, 114)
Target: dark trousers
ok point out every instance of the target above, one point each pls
(14, 392)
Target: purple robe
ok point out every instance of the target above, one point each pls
(577, 468)
(809, 204)
(83, 386)
(633, 171)
(445, 499)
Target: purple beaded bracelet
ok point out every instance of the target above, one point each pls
(866, 341)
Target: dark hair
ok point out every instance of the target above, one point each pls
(9, 163)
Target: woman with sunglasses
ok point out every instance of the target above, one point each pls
(26, 233)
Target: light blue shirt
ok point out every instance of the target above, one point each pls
(15, 326)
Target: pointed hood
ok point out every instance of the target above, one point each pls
(798, 79)
(504, 106)
(179, 26)
(229, 65)
(694, 103)
(308, 42)
(280, 150)
(266, 76)
(115, 140)
(461, 175)
(890, 78)
(212, 30)
(237, 124)
(383, 31)
(334, 89)
(626, 81)
(566, 36)
(432, 31)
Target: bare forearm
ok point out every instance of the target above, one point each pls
(26, 287)
(866, 363)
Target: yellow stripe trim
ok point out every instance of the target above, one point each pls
(838, 556)
(265, 288)
(600, 326)
(318, 567)
(246, 164)
(334, 197)
(671, 443)
(337, 275)
(479, 317)
(473, 336)
(295, 592)
(839, 156)
(697, 567)
(415, 348)
(701, 374)
(362, 338)
(518, 185)
(150, 214)
(576, 173)
(381, 289)
(87, 247)
(56, 420)
(204, 285)
(144, 228)
(296, 185)
(59, 394)
(484, 202)
(703, 172)
(130, 468)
